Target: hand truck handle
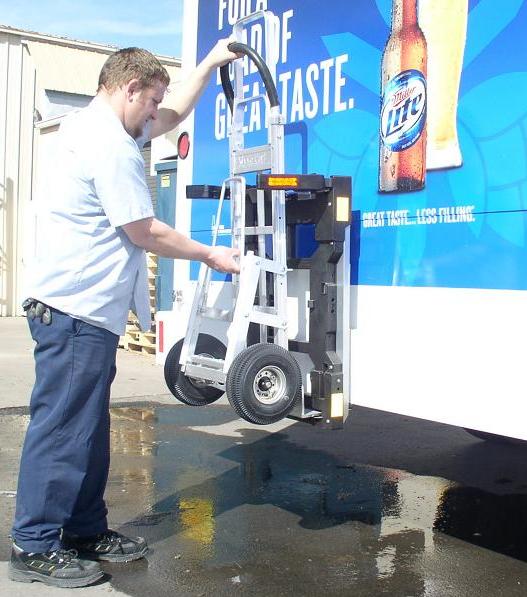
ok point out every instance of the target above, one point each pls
(270, 87)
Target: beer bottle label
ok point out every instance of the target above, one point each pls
(403, 113)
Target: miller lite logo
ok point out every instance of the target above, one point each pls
(403, 112)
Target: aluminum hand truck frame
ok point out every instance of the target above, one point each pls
(263, 381)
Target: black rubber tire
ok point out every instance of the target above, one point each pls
(184, 388)
(261, 364)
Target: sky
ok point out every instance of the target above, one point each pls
(155, 26)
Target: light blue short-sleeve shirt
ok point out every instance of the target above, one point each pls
(85, 264)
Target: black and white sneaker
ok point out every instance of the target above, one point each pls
(58, 568)
(110, 546)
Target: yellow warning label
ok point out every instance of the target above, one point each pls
(282, 181)
(343, 207)
(337, 405)
(165, 181)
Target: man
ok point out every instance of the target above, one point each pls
(90, 270)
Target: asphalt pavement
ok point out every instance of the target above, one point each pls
(388, 506)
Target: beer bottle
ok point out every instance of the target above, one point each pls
(402, 151)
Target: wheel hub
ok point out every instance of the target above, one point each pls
(265, 384)
(270, 385)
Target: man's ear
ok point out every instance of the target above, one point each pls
(132, 88)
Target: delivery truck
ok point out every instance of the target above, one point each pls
(404, 188)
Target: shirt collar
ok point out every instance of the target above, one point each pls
(105, 111)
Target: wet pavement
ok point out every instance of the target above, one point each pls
(388, 506)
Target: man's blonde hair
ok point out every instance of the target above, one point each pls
(132, 63)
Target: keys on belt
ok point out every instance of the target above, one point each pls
(34, 308)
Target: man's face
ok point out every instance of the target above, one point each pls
(142, 107)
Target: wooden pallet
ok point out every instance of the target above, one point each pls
(134, 339)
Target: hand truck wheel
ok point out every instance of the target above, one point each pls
(264, 383)
(191, 391)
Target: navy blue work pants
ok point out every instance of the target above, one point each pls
(66, 454)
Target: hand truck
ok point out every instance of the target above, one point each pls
(262, 380)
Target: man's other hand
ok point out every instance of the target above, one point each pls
(220, 53)
(224, 259)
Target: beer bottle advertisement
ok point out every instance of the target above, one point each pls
(402, 160)
(421, 102)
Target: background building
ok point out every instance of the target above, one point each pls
(42, 78)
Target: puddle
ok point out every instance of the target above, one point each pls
(240, 508)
